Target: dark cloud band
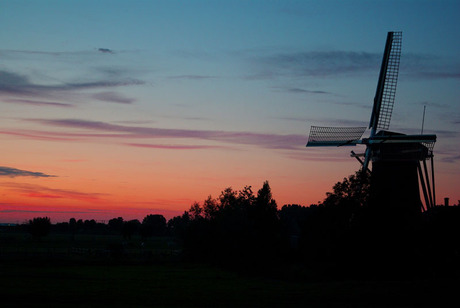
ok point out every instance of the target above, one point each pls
(13, 172)
(270, 141)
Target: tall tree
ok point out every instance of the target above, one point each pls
(39, 226)
(153, 225)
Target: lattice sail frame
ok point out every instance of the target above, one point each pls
(388, 79)
(334, 136)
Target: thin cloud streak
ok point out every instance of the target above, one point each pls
(36, 135)
(300, 91)
(324, 121)
(113, 97)
(192, 77)
(13, 172)
(17, 52)
(333, 63)
(16, 84)
(39, 191)
(36, 103)
(320, 157)
(451, 159)
(89, 211)
(173, 147)
(271, 141)
(105, 50)
(317, 63)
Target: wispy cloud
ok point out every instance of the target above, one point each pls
(445, 134)
(271, 141)
(187, 118)
(35, 135)
(173, 147)
(316, 63)
(320, 156)
(52, 211)
(192, 77)
(47, 87)
(39, 191)
(36, 103)
(425, 66)
(300, 90)
(16, 84)
(331, 63)
(105, 50)
(325, 121)
(113, 97)
(452, 158)
(13, 172)
(15, 53)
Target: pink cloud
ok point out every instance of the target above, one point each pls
(36, 135)
(39, 191)
(40, 195)
(271, 141)
(172, 147)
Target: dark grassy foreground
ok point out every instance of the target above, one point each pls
(90, 271)
(188, 285)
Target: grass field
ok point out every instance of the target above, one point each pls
(46, 274)
(182, 285)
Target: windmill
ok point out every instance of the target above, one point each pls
(399, 165)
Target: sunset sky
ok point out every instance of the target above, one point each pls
(128, 108)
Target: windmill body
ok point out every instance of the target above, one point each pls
(398, 160)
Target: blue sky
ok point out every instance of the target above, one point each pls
(214, 86)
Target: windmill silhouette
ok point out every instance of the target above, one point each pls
(399, 165)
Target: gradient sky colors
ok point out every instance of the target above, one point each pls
(126, 108)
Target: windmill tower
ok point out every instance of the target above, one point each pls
(398, 160)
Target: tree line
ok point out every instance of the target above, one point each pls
(244, 228)
(151, 225)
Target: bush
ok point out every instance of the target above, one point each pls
(39, 226)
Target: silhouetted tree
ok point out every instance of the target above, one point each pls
(90, 224)
(178, 225)
(130, 228)
(265, 210)
(72, 228)
(39, 227)
(323, 232)
(80, 224)
(116, 224)
(352, 192)
(195, 211)
(292, 223)
(210, 208)
(153, 225)
(237, 227)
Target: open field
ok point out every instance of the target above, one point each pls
(87, 247)
(87, 271)
(181, 285)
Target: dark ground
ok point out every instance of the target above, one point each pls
(192, 285)
(108, 271)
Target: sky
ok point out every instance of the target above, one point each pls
(128, 108)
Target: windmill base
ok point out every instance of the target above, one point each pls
(395, 190)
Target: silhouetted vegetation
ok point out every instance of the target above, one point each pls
(153, 225)
(238, 227)
(39, 227)
(344, 236)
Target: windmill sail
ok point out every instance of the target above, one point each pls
(334, 136)
(386, 87)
